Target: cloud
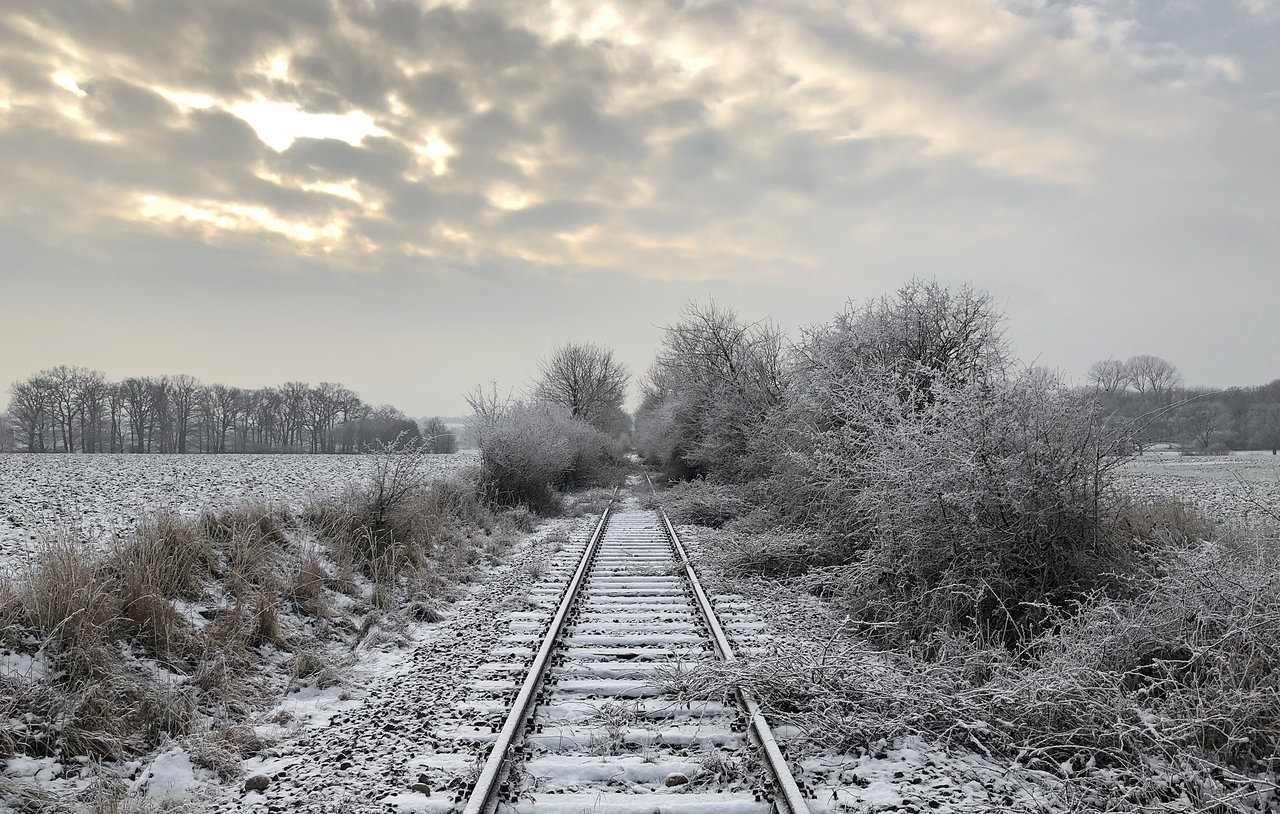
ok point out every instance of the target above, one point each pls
(725, 139)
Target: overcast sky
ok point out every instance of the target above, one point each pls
(412, 198)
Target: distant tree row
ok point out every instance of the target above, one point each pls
(1150, 391)
(75, 409)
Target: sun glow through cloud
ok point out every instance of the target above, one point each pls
(279, 124)
(232, 217)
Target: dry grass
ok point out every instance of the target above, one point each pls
(176, 630)
(701, 503)
(1169, 694)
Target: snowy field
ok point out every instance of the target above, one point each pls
(101, 494)
(1230, 489)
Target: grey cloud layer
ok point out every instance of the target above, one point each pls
(660, 139)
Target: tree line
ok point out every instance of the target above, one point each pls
(76, 409)
(1150, 391)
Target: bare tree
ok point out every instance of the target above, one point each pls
(437, 437)
(31, 409)
(294, 404)
(161, 415)
(115, 417)
(587, 381)
(325, 403)
(91, 401)
(136, 394)
(64, 384)
(76, 409)
(1151, 375)
(1109, 375)
(352, 410)
(184, 392)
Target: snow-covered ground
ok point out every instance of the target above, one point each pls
(375, 743)
(1229, 489)
(97, 495)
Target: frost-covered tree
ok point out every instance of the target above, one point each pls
(586, 379)
(437, 438)
(531, 450)
(923, 336)
(710, 394)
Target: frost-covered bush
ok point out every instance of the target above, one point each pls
(530, 452)
(968, 510)
(702, 503)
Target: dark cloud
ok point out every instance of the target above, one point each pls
(215, 139)
(118, 105)
(381, 162)
(434, 95)
(575, 114)
(493, 131)
(357, 79)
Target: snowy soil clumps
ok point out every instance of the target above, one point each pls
(1233, 490)
(97, 495)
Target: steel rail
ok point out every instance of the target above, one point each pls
(790, 796)
(483, 798)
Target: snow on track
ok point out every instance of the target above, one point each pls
(605, 735)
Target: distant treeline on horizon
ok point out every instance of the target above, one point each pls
(76, 409)
(1150, 391)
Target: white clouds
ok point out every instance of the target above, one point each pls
(1225, 67)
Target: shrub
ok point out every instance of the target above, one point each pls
(779, 554)
(531, 452)
(386, 525)
(1168, 698)
(968, 511)
(702, 503)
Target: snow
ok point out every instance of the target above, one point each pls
(1230, 489)
(405, 731)
(171, 775)
(97, 495)
(383, 743)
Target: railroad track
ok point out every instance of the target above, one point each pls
(591, 728)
